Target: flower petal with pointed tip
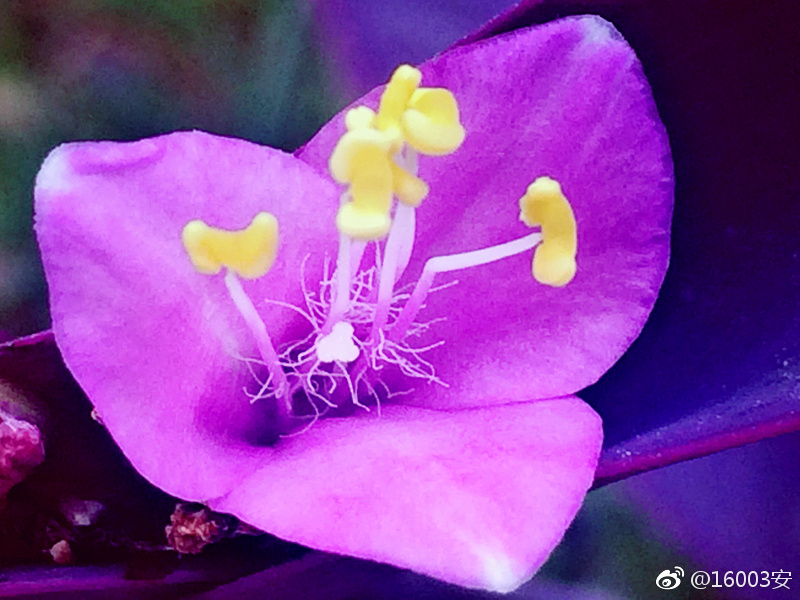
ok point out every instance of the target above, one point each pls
(572, 104)
(475, 497)
(157, 346)
(718, 364)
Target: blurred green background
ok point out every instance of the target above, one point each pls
(123, 70)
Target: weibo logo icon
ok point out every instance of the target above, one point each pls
(669, 580)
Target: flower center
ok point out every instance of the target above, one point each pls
(359, 321)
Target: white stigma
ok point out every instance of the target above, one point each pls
(338, 345)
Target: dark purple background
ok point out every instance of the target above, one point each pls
(723, 344)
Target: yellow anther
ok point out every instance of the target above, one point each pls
(394, 101)
(427, 119)
(344, 162)
(359, 117)
(409, 189)
(545, 205)
(249, 252)
(361, 159)
(431, 122)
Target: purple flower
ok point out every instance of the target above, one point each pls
(464, 453)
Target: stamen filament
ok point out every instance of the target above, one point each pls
(348, 261)
(341, 299)
(263, 341)
(398, 248)
(454, 262)
(388, 271)
(357, 248)
(405, 220)
(405, 215)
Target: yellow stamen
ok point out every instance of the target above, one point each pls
(544, 204)
(344, 162)
(427, 119)
(395, 98)
(408, 188)
(361, 159)
(359, 117)
(431, 122)
(249, 252)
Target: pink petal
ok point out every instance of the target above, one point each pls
(474, 497)
(568, 100)
(153, 343)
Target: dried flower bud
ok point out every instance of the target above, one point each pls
(62, 553)
(193, 527)
(21, 450)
